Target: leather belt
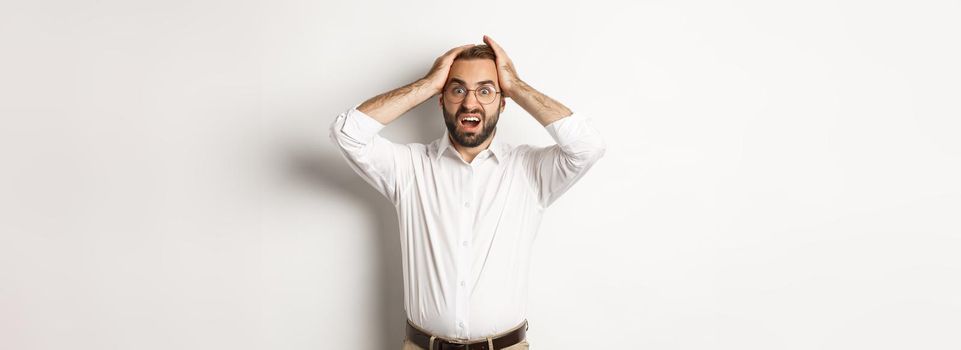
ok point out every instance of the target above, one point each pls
(507, 339)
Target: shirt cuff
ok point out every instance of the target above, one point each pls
(360, 126)
(568, 130)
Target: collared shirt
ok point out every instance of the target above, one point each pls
(467, 229)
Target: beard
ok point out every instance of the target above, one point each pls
(470, 139)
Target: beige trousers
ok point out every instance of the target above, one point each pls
(523, 345)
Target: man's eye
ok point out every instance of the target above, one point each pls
(486, 91)
(458, 90)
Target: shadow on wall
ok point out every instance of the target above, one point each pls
(328, 172)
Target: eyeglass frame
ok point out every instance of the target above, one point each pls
(475, 95)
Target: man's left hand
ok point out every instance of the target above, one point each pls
(506, 75)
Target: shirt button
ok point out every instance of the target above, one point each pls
(461, 324)
(466, 204)
(464, 243)
(462, 283)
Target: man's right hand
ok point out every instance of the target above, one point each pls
(392, 104)
(437, 77)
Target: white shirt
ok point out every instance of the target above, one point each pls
(467, 229)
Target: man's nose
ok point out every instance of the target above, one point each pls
(471, 99)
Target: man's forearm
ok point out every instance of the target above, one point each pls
(543, 108)
(392, 104)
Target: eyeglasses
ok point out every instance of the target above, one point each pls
(457, 93)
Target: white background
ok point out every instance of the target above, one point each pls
(778, 175)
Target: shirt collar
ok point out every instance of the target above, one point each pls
(497, 148)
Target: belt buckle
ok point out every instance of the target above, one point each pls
(453, 346)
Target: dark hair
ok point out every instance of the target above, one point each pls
(476, 52)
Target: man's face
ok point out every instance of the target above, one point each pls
(471, 75)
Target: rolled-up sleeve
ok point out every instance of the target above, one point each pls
(554, 169)
(372, 156)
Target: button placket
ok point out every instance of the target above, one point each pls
(464, 258)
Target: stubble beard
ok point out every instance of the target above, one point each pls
(470, 139)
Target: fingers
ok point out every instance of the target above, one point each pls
(457, 50)
(497, 48)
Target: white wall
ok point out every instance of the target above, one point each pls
(778, 176)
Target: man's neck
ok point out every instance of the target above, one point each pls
(469, 153)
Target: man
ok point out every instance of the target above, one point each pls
(468, 204)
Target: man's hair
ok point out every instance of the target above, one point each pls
(476, 52)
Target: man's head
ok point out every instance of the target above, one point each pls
(474, 70)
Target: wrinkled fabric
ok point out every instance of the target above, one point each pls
(467, 229)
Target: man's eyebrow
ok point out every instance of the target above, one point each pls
(478, 83)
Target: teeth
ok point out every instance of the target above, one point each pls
(472, 119)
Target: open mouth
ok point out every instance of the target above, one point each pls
(470, 121)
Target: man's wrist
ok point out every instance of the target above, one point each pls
(518, 87)
(426, 86)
